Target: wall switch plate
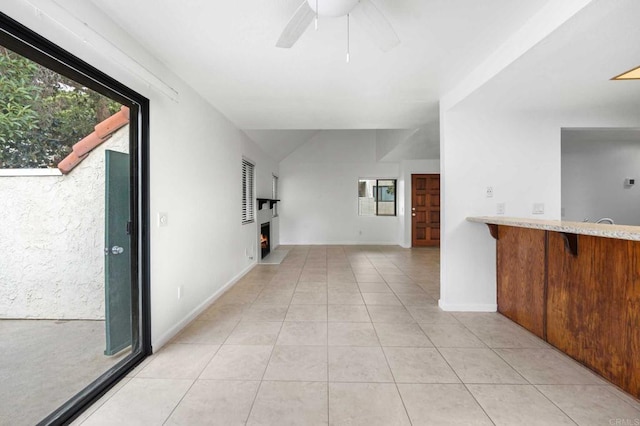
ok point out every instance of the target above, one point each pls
(489, 191)
(500, 208)
(538, 208)
(163, 219)
(179, 292)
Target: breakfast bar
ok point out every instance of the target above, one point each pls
(575, 285)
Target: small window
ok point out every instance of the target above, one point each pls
(247, 191)
(377, 197)
(275, 194)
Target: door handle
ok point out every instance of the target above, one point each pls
(413, 209)
(117, 250)
(413, 214)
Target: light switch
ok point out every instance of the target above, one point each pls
(500, 208)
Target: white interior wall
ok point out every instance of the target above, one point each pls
(518, 154)
(319, 191)
(195, 166)
(593, 176)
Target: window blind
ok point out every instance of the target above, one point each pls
(247, 191)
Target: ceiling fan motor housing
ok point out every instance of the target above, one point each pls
(333, 7)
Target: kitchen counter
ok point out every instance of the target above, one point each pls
(577, 286)
(621, 232)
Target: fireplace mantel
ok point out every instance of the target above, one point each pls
(263, 201)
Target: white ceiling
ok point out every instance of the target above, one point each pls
(282, 97)
(571, 70)
(226, 50)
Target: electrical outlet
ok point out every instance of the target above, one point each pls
(538, 208)
(163, 219)
(500, 208)
(489, 191)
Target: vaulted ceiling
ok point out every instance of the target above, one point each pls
(226, 49)
(281, 97)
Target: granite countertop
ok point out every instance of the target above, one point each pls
(621, 232)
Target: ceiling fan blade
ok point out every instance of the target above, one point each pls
(297, 25)
(376, 25)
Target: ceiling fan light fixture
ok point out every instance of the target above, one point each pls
(332, 8)
(633, 74)
(364, 12)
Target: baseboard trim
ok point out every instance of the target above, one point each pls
(341, 243)
(471, 307)
(173, 331)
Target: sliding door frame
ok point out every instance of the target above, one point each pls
(29, 44)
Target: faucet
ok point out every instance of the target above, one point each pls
(606, 219)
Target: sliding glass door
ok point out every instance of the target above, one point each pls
(74, 291)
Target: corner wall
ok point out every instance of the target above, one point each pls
(319, 191)
(518, 154)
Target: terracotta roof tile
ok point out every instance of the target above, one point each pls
(87, 144)
(113, 123)
(103, 132)
(69, 162)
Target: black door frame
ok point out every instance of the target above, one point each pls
(29, 44)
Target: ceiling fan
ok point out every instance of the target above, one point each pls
(363, 11)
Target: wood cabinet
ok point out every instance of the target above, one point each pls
(580, 293)
(593, 305)
(521, 263)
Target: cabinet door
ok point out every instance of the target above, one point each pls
(593, 305)
(521, 262)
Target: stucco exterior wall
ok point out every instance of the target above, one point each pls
(52, 240)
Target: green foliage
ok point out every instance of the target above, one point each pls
(42, 113)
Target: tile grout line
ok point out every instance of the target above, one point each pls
(261, 381)
(328, 387)
(465, 386)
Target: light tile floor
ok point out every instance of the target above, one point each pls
(353, 336)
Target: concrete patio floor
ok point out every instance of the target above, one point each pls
(43, 363)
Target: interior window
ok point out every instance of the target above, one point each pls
(377, 197)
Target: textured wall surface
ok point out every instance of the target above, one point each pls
(52, 241)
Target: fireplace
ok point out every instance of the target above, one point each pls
(265, 239)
